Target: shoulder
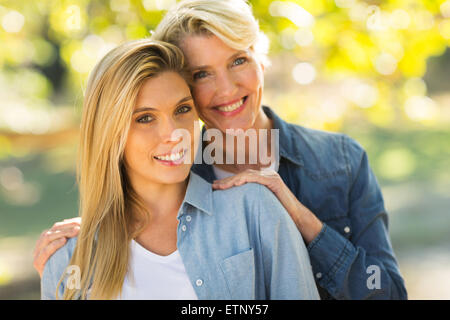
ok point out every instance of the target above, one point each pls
(63, 255)
(306, 144)
(252, 198)
(55, 267)
(240, 196)
(318, 141)
(327, 153)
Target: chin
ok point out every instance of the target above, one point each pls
(173, 176)
(240, 124)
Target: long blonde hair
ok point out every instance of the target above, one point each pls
(112, 213)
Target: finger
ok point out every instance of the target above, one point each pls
(53, 234)
(236, 176)
(38, 245)
(62, 225)
(240, 180)
(222, 182)
(65, 226)
(66, 223)
(227, 182)
(76, 220)
(69, 231)
(41, 259)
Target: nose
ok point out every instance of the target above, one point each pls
(168, 131)
(226, 84)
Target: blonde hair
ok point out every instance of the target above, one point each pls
(232, 21)
(111, 211)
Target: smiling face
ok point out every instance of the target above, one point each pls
(227, 83)
(153, 154)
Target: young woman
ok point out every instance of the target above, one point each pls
(151, 228)
(322, 179)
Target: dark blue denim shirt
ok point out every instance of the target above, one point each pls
(352, 256)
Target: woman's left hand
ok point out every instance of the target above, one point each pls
(307, 223)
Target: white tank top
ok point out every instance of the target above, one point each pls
(154, 277)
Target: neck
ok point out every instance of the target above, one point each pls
(161, 200)
(263, 125)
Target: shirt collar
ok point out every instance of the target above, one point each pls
(289, 144)
(198, 194)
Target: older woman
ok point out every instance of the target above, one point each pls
(322, 179)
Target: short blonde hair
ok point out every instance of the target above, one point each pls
(232, 21)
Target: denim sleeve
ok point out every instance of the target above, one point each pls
(365, 266)
(287, 268)
(53, 271)
(50, 279)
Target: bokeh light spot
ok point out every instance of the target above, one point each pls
(304, 73)
(13, 21)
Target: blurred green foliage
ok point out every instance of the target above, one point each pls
(383, 46)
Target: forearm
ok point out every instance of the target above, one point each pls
(349, 271)
(306, 221)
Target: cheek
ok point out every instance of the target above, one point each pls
(191, 125)
(202, 94)
(130, 152)
(138, 147)
(253, 79)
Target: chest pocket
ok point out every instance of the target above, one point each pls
(239, 273)
(326, 195)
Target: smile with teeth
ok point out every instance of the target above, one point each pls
(172, 157)
(232, 107)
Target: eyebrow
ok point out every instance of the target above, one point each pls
(145, 108)
(230, 58)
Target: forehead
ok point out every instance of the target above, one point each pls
(202, 50)
(163, 90)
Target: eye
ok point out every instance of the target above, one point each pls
(145, 119)
(239, 61)
(183, 109)
(199, 75)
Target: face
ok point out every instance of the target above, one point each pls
(227, 83)
(153, 153)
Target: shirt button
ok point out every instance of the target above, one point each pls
(318, 275)
(199, 282)
(188, 218)
(347, 229)
(183, 227)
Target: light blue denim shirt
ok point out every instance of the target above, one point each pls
(329, 173)
(238, 243)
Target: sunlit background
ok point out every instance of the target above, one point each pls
(378, 71)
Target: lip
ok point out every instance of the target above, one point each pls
(170, 163)
(234, 112)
